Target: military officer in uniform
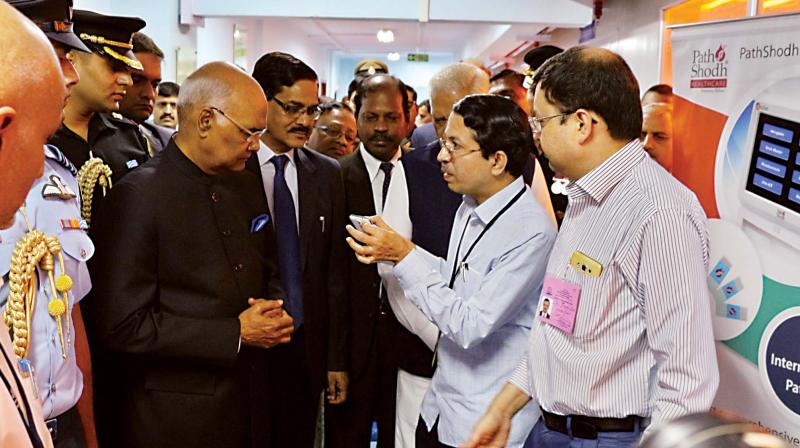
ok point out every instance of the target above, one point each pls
(52, 208)
(103, 145)
(49, 226)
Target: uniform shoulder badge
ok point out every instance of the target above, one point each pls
(55, 188)
(55, 154)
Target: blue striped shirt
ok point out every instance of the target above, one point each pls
(643, 342)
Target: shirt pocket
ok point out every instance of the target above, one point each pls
(593, 304)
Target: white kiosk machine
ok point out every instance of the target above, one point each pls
(770, 193)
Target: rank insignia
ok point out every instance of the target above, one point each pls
(57, 189)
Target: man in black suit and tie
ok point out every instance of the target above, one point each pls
(375, 183)
(306, 200)
(184, 264)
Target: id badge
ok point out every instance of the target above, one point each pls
(558, 304)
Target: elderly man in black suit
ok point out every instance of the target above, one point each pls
(306, 200)
(185, 259)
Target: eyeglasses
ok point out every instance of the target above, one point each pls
(252, 136)
(452, 149)
(537, 123)
(336, 133)
(296, 110)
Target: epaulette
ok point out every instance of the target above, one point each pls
(119, 117)
(55, 154)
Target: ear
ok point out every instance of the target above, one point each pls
(499, 162)
(7, 116)
(585, 122)
(205, 122)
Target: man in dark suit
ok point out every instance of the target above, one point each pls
(140, 96)
(371, 174)
(184, 260)
(306, 200)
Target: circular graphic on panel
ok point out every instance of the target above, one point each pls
(779, 362)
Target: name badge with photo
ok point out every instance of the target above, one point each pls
(558, 304)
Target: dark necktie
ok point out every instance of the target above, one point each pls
(386, 167)
(288, 241)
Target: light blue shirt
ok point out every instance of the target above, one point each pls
(485, 319)
(59, 381)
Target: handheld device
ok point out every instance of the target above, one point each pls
(359, 221)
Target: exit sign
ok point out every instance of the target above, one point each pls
(418, 57)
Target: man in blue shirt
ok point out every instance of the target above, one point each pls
(483, 296)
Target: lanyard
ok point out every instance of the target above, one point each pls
(457, 266)
(30, 424)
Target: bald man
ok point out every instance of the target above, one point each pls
(657, 133)
(34, 89)
(185, 262)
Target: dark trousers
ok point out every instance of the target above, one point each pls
(294, 401)
(428, 439)
(371, 396)
(67, 430)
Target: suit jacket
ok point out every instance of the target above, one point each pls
(158, 136)
(178, 255)
(323, 254)
(423, 136)
(367, 323)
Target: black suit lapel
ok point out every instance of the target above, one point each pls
(360, 187)
(309, 189)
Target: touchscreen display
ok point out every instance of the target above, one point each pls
(774, 172)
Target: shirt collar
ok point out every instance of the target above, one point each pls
(265, 154)
(492, 206)
(373, 164)
(600, 181)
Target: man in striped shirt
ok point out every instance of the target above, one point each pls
(630, 261)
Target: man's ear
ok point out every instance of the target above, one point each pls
(500, 160)
(7, 116)
(205, 121)
(585, 122)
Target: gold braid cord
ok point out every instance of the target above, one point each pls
(22, 286)
(35, 249)
(92, 172)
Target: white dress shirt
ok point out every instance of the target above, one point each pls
(265, 154)
(395, 213)
(642, 343)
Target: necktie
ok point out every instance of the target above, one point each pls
(386, 167)
(288, 241)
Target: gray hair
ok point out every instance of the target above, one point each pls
(460, 79)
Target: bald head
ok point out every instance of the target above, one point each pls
(449, 85)
(218, 84)
(222, 112)
(32, 95)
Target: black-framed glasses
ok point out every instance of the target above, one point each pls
(251, 136)
(336, 133)
(537, 123)
(454, 151)
(296, 110)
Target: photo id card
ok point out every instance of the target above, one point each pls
(558, 304)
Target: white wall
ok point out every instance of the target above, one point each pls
(631, 28)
